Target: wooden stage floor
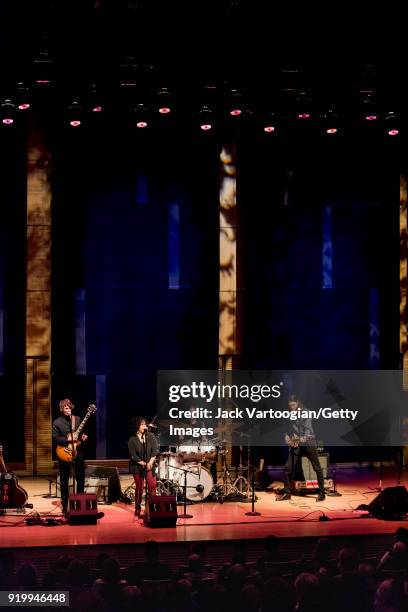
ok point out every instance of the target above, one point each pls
(299, 517)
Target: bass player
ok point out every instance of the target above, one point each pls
(62, 429)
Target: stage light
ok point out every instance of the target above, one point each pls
(206, 118)
(235, 103)
(142, 119)
(75, 114)
(7, 112)
(369, 108)
(330, 122)
(392, 124)
(93, 101)
(44, 66)
(269, 123)
(303, 116)
(165, 102)
(22, 97)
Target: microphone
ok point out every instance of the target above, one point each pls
(151, 425)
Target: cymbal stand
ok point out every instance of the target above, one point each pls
(241, 483)
(227, 486)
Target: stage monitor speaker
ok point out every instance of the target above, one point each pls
(308, 471)
(82, 509)
(161, 511)
(392, 503)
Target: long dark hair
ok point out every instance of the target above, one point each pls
(136, 422)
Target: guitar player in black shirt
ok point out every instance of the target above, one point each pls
(61, 434)
(302, 442)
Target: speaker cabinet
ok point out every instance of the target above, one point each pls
(392, 503)
(82, 509)
(161, 511)
(308, 471)
(108, 480)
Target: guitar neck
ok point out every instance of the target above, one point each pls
(83, 422)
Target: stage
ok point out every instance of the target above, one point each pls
(298, 517)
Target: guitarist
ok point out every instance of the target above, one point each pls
(302, 442)
(61, 434)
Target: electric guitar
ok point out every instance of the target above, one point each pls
(295, 441)
(11, 494)
(68, 453)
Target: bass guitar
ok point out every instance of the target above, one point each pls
(68, 453)
(11, 494)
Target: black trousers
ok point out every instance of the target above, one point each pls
(295, 455)
(65, 470)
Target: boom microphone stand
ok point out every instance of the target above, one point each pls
(144, 516)
(74, 451)
(253, 512)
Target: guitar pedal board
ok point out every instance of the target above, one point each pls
(306, 486)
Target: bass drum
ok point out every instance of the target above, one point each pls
(199, 484)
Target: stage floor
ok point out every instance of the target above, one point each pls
(299, 517)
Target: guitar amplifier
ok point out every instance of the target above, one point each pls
(308, 471)
(82, 509)
(108, 479)
(93, 484)
(161, 511)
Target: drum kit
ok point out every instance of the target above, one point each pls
(188, 471)
(194, 461)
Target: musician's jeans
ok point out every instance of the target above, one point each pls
(295, 455)
(139, 484)
(65, 473)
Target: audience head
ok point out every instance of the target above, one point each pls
(110, 571)
(348, 560)
(27, 575)
(151, 550)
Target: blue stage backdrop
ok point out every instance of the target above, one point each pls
(12, 292)
(135, 270)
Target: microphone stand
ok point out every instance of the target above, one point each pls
(184, 515)
(252, 512)
(74, 451)
(145, 475)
